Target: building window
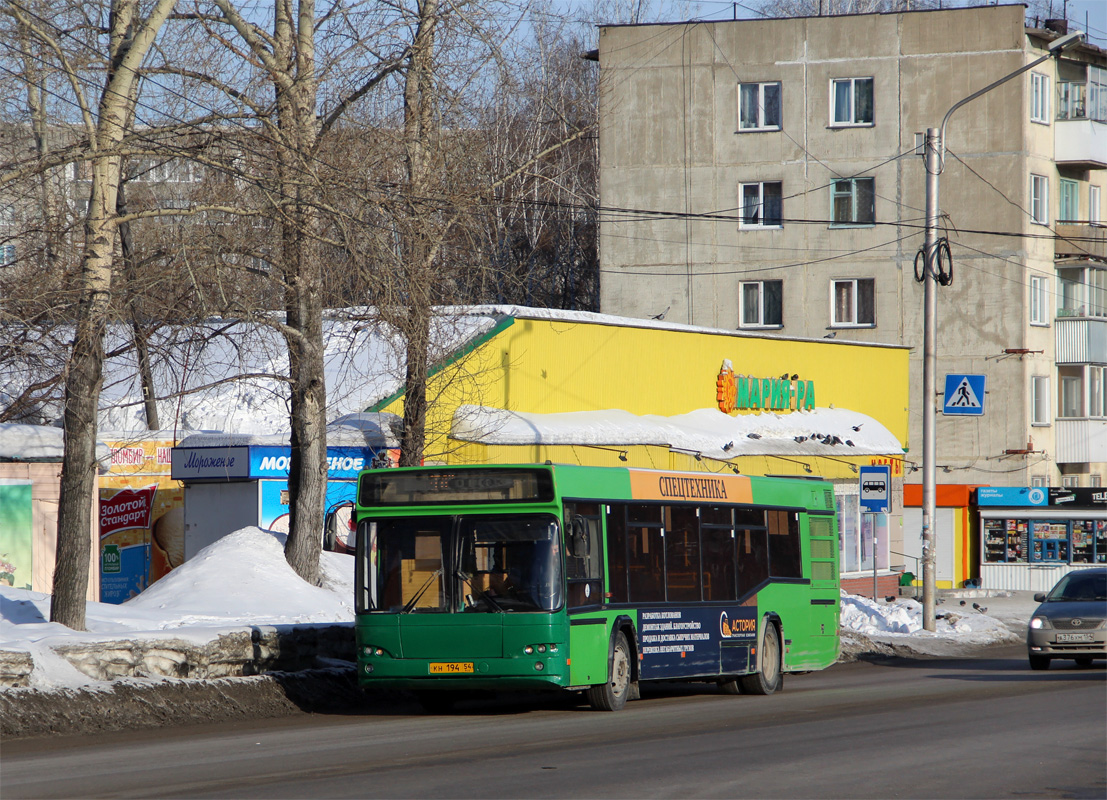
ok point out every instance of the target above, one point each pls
(762, 205)
(1069, 201)
(1072, 397)
(1095, 480)
(7, 255)
(1039, 97)
(852, 302)
(1039, 400)
(1093, 205)
(1081, 292)
(1039, 482)
(852, 202)
(1070, 481)
(1039, 199)
(759, 106)
(1039, 300)
(1097, 407)
(762, 304)
(851, 100)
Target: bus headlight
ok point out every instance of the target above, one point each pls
(538, 665)
(529, 649)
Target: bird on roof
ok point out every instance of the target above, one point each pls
(662, 314)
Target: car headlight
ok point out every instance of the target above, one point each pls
(1039, 622)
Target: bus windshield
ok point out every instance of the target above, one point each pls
(471, 564)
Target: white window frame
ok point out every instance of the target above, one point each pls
(854, 300)
(1071, 399)
(1038, 482)
(1070, 481)
(1039, 98)
(759, 322)
(7, 255)
(1097, 399)
(761, 124)
(1093, 205)
(760, 224)
(1095, 480)
(849, 186)
(1039, 401)
(851, 112)
(1039, 300)
(1068, 201)
(1039, 199)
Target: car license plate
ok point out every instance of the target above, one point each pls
(1074, 637)
(450, 667)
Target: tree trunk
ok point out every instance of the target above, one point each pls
(134, 311)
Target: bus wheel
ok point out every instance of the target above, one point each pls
(769, 678)
(612, 696)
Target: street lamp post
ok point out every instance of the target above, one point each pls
(935, 162)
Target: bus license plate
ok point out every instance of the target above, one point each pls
(450, 667)
(1074, 637)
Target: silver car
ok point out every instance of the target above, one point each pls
(1071, 621)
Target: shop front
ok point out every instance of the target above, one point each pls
(1030, 537)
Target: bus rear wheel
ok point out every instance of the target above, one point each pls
(612, 696)
(769, 678)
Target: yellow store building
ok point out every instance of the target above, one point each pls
(571, 387)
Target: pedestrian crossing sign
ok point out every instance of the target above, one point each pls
(964, 395)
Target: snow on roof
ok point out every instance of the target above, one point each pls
(835, 432)
(39, 443)
(368, 429)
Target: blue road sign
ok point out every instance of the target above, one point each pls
(964, 395)
(876, 487)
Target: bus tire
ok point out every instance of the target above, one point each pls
(612, 695)
(768, 678)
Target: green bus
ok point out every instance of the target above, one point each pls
(590, 579)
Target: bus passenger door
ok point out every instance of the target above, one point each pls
(588, 634)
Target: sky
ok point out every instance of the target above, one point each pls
(243, 579)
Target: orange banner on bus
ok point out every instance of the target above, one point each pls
(650, 485)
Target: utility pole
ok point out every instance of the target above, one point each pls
(935, 163)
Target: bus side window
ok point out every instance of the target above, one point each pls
(617, 552)
(784, 545)
(583, 554)
(753, 560)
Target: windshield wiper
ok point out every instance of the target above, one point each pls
(422, 590)
(480, 593)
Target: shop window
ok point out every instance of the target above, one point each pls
(853, 302)
(1039, 300)
(762, 205)
(762, 304)
(759, 106)
(1049, 541)
(851, 101)
(1084, 542)
(1006, 541)
(861, 535)
(852, 202)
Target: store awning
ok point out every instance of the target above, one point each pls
(834, 432)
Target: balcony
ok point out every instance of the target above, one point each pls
(1080, 241)
(1080, 143)
(1081, 340)
(1081, 441)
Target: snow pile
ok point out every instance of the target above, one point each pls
(240, 580)
(903, 617)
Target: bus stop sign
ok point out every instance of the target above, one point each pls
(876, 487)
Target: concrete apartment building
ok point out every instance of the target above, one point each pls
(763, 175)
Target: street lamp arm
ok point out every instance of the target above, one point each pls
(1055, 49)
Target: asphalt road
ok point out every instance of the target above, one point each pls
(985, 727)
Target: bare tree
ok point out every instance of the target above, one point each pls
(130, 37)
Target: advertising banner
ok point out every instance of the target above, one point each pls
(141, 519)
(678, 642)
